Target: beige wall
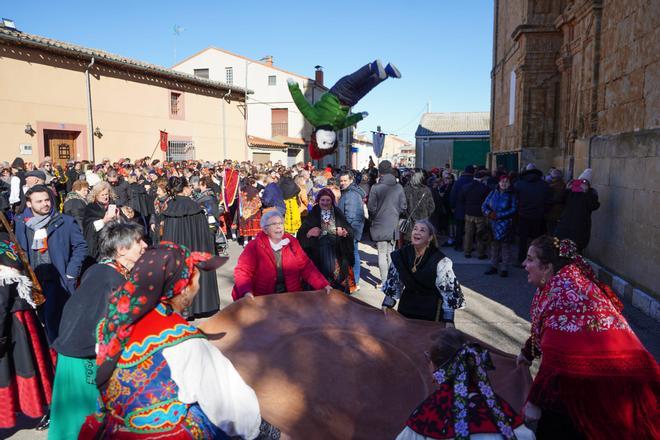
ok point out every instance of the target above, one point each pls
(49, 91)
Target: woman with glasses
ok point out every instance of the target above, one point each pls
(274, 262)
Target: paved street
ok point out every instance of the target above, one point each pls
(497, 309)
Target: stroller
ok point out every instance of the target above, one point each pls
(220, 235)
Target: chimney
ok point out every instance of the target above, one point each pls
(318, 75)
(268, 59)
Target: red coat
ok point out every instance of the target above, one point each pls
(255, 271)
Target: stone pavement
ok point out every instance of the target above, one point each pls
(497, 310)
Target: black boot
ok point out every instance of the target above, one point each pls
(504, 273)
(44, 423)
(491, 271)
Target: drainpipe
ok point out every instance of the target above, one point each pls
(90, 120)
(492, 78)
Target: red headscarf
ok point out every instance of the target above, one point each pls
(160, 274)
(594, 368)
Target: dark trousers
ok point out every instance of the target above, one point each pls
(50, 313)
(351, 88)
(460, 232)
(528, 230)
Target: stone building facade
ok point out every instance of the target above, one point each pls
(576, 84)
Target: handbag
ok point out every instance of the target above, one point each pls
(406, 225)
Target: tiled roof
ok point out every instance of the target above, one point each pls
(403, 142)
(290, 140)
(255, 141)
(48, 44)
(362, 138)
(457, 124)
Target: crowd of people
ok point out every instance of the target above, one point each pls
(124, 253)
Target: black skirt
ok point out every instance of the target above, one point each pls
(186, 224)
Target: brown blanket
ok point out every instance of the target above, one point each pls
(331, 367)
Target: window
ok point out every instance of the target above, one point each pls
(272, 80)
(202, 73)
(176, 104)
(261, 158)
(180, 150)
(512, 98)
(279, 121)
(229, 75)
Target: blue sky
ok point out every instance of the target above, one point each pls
(442, 47)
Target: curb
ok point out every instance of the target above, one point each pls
(641, 300)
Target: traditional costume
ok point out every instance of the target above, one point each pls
(26, 366)
(230, 187)
(75, 394)
(594, 371)
(426, 287)
(186, 223)
(332, 255)
(250, 212)
(159, 376)
(290, 193)
(465, 404)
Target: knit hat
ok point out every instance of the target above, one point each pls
(530, 166)
(469, 169)
(587, 175)
(385, 167)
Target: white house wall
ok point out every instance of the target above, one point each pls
(265, 97)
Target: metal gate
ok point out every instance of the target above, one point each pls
(180, 150)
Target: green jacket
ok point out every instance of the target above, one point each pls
(327, 111)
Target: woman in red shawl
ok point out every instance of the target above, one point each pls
(596, 379)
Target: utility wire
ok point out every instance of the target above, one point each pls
(416, 118)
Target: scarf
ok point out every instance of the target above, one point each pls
(74, 196)
(458, 400)
(277, 246)
(37, 224)
(11, 269)
(593, 368)
(326, 215)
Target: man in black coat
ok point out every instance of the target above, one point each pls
(120, 186)
(534, 200)
(457, 205)
(472, 197)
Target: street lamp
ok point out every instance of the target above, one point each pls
(29, 130)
